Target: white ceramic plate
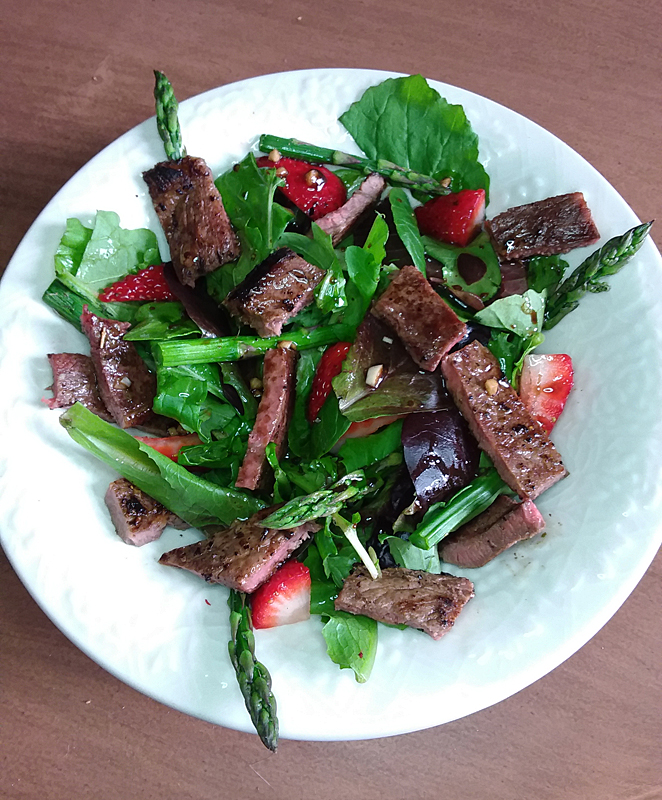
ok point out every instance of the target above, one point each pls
(534, 606)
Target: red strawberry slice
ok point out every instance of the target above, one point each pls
(544, 386)
(170, 445)
(312, 188)
(453, 218)
(329, 366)
(284, 598)
(147, 285)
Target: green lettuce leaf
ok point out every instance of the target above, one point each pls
(161, 321)
(522, 314)
(411, 557)
(351, 642)
(405, 121)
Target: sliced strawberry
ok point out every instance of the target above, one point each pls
(170, 445)
(453, 218)
(146, 285)
(312, 188)
(284, 598)
(357, 430)
(329, 366)
(544, 386)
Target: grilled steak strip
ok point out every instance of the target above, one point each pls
(406, 596)
(191, 212)
(339, 223)
(555, 225)
(502, 525)
(74, 381)
(274, 292)
(273, 415)
(519, 447)
(137, 517)
(243, 556)
(125, 384)
(426, 326)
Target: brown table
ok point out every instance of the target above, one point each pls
(74, 78)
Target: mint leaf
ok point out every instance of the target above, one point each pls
(407, 122)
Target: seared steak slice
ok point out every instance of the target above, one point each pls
(137, 517)
(339, 223)
(126, 385)
(426, 326)
(194, 220)
(243, 556)
(406, 597)
(519, 447)
(555, 225)
(74, 381)
(274, 292)
(502, 525)
(273, 415)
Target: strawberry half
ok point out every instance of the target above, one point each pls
(453, 218)
(544, 386)
(147, 285)
(329, 366)
(170, 445)
(284, 598)
(312, 188)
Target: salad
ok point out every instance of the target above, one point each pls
(351, 461)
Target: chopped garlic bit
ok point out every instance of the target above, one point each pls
(256, 383)
(491, 386)
(387, 339)
(285, 345)
(375, 375)
(125, 381)
(274, 156)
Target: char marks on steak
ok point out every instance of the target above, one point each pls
(410, 597)
(273, 415)
(191, 212)
(426, 326)
(274, 292)
(243, 556)
(502, 525)
(340, 222)
(137, 517)
(546, 227)
(125, 384)
(75, 381)
(520, 449)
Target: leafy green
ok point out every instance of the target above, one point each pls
(351, 642)
(300, 430)
(225, 452)
(407, 227)
(405, 121)
(113, 252)
(545, 272)
(69, 305)
(195, 500)
(358, 453)
(69, 253)
(248, 197)
(510, 349)
(408, 555)
(161, 321)
(330, 426)
(522, 314)
(400, 393)
(450, 257)
(337, 554)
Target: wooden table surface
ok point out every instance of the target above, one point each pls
(77, 75)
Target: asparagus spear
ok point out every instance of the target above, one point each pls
(254, 680)
(608, 260)
(166, 117)
(465, 505)
(324, 503)
(233, 348)
(324, 155)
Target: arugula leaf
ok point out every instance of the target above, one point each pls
(358, 453)
(407, 227)
(161, 320)
(522, 314)
(408, 555)
(300, 431)
(226, 452)
(351, 642)
(332, 424)
(195, 500)
(248, 197)
(451, 258)
(407, 122)
(545, 272)
(363, 268)
(113, 252)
